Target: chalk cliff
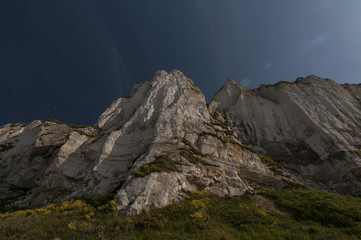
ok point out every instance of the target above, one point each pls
(162, 141)
(312, 124)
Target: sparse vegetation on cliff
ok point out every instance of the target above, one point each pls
(191, 147)
(192, 154)
(76, 128)
(161, 164)
(194, 159)
(275, 167)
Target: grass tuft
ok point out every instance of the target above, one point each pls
(162, 163)
(275, 167)
(194, 159)
(191, 147)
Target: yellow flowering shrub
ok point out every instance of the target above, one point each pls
(199, 204)
(89, 215)
(72, 225)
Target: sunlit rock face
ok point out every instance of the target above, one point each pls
(313, 124)
(163, 141)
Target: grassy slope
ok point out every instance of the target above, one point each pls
(317, 215)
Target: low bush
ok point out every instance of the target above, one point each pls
(317, 215)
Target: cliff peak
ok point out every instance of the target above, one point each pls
(163, 140)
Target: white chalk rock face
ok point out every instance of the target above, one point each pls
(151, 148)
(169, 116)
(313, 124)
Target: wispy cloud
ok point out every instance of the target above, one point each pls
(317, 40)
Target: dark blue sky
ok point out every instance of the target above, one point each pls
(69, 59)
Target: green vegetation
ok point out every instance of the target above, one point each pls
(69, 125)
(291, 184)
(244, 146)
(213, 135)
(221, 124)
(191, 147)
(83, 133)
(315, 215)
(224, 125)
(192, 154)
(209, 133)
(227, 132)
(330, 210)
(216, 121)
(48, 152)
(194, 159)
(17, 124)
(160, 164)
(276, 168)
(76, 128)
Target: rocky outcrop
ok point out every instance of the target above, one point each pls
(162, 141)
(312, 124)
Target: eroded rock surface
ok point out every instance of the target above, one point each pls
(313, 124)
(164, 140)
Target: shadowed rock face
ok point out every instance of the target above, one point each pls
(163, 140)
(313, 124)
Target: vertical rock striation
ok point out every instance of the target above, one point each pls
(313, 124)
